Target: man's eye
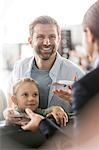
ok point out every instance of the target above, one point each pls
(39, 37)
(52, 37)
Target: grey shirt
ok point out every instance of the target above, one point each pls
(43, 79)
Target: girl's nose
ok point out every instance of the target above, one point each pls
(30, 98)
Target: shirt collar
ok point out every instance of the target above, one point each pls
(96, 63)
(54, 70)
(31, 62)
(56, 67)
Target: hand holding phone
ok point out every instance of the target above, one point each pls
(63, 89)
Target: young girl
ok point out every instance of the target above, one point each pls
(26, 95)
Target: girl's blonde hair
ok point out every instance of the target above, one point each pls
(22, 81)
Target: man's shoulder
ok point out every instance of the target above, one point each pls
(22, 65)
(24, 61)
(65, 61)
(70, 69)
(72, 65)
(69, 62)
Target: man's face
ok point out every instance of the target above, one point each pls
(45, 40)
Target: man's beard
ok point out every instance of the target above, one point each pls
(44, 54)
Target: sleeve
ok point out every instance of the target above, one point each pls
(16, 138)
(15, 74)
(80, 97)
(48, 127)
(44, 112)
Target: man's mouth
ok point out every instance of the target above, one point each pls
(46, 49)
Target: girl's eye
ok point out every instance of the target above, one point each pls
(25, 94)
(35, 94)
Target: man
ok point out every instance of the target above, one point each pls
(46, 65)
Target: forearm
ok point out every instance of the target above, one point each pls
(44, 112)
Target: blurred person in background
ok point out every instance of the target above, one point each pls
(91, 36)
(88, 86)
(85, 63)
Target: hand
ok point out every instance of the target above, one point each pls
(66, 95)
(10, 116)
(59, 114)
(35, 119)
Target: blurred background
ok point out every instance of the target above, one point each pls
(15, 17)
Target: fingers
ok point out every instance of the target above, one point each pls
(60, 118)
(31, 116)
(10, 117)
(7, 112)
(66, 95)
(49, 115)
(12, 120)
(29, 113)
(75, 78)
(24, 123)
(34, 121)
(26, 126)
(63, 119)
(56, 117)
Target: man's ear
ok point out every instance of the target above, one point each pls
(30, 40)
(90, 36)
(14, 99)
(59, 39)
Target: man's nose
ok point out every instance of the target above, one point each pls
(46, 41)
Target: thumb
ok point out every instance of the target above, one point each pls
(29, 112)
(49, 115)
(74, 77)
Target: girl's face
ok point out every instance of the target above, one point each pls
(27, 96)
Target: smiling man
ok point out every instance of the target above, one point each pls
(46, 66)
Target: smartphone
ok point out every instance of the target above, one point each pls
(65, 82)
(61, 84)
(19, 115)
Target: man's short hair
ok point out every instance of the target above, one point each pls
(43, 20)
